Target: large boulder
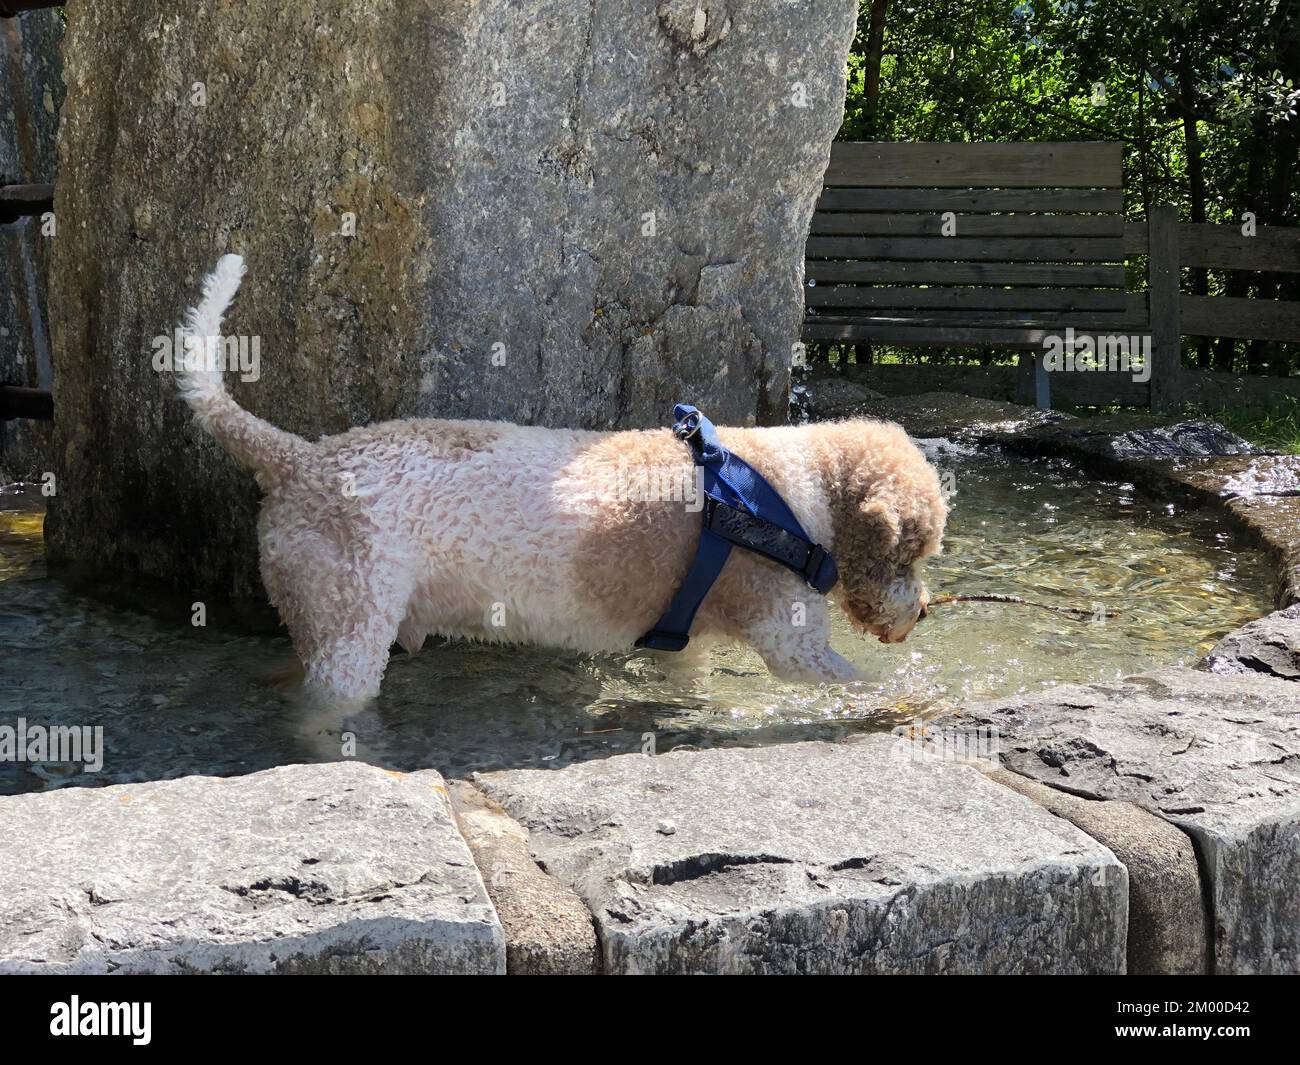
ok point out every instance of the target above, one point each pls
(562, 213)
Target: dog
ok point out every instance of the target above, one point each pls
(492, 531)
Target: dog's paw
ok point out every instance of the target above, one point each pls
(327, 726)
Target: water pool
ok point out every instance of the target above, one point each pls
(174, 700)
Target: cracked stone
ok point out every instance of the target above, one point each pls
(819, 858)
(1270, 645)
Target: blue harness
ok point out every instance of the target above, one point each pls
(740, 508)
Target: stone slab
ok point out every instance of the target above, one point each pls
(819, 858)
(548, 929)
(1217, 755)
(1270, 645)
(1168, 925)
(338, 868)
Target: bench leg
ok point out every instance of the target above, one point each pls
(1034, 385)
(1042, 385)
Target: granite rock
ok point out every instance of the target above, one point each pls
(819, 858)
(545, 211)
(1217, 755)
(335, 868)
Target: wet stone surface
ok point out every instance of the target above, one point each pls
(969, 418)
(1218, 755)
(1138, 436)
(1270, 645)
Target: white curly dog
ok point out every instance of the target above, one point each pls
(511, 533)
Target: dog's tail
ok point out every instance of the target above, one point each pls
(271, 453)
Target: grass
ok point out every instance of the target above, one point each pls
(1275, 427)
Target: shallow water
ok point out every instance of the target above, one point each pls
(174, 700)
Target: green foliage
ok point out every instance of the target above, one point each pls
(966, 70)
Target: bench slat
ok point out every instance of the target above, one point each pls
(857, 223)
(1108, 201)
(929, 335)
(1053, 164)
(973, 249)
(947, 273)
(1029, 299)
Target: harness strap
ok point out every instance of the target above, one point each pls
(740, 508)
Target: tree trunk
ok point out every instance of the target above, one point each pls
(1195, 179)
(1238, 283)
(1141, 140)
(871, 68)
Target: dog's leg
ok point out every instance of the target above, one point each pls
(345, 668)
(688, 667)
(343, 614)
(796, 646)
(344, 643)
(805, 661)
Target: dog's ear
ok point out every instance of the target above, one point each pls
(875, 530)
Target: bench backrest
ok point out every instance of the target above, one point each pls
(982, 244)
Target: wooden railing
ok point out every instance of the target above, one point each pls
(1172, 245)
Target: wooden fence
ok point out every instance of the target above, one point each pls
(1012, 245)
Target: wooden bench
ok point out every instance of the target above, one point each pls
(979, 245)
(1008, 245)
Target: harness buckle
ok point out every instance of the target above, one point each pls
(813, 563)
(687, 427)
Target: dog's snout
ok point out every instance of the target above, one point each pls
(921, 615)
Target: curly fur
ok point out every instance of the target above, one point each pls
(511, 533)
